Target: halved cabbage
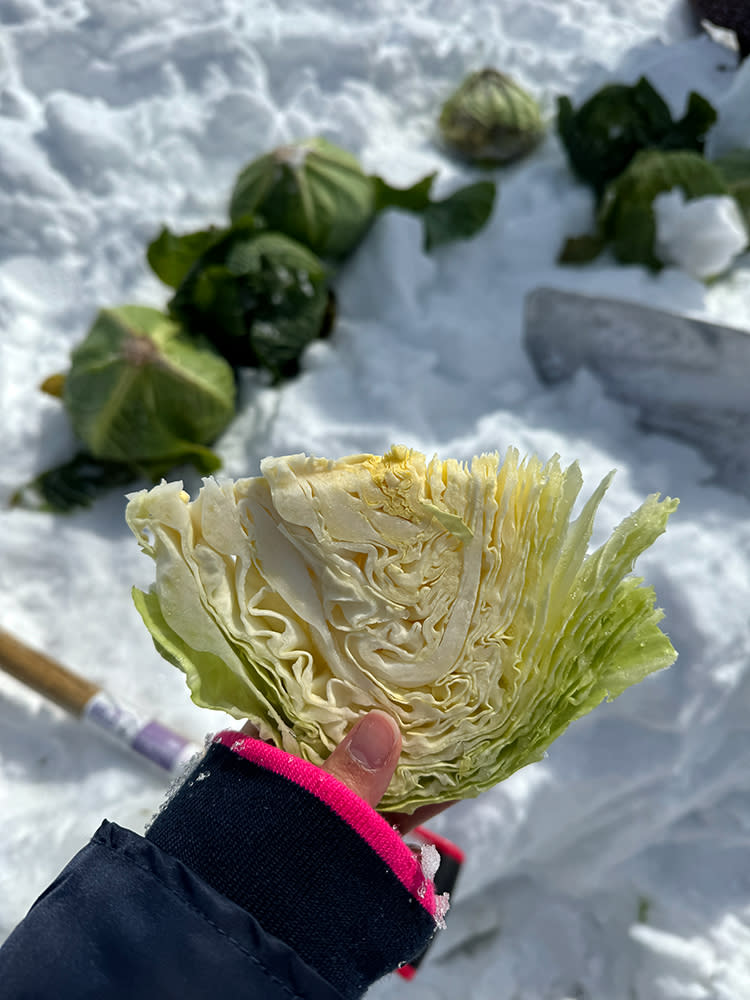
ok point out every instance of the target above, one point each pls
(458, 598)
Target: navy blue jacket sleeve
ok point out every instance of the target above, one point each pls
(126, 920)
(252, 878)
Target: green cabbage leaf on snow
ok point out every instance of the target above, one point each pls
(140, 390)
(319, 194)
(143, 396)
(458, 598)
(313, 191)
(626, 220)
(626, 214)
(604, 134)
(259, 297)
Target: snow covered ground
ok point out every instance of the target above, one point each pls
(619, 867)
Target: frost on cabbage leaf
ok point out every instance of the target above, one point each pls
(461, 599)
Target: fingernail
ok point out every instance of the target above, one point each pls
(372, 740)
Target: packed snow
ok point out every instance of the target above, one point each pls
(618, 867)
(702, 236)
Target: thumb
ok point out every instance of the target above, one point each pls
(367, 756)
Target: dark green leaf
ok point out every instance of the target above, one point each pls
(581, 249)
(73, 484)
(459, 216)
(607, 131)
(84, 478)
(329, 316)
(412, 199)
(604, 134)
(171, 257)
(691, 130)
(259, 299)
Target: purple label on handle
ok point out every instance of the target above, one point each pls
(161, 745)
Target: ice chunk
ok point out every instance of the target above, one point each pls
(429, 859)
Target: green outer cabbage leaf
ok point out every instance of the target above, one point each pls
(460, 599)
(141, 391)
(626, 215)
(459, 216)
(313, 191)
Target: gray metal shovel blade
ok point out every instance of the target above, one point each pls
(688, 378)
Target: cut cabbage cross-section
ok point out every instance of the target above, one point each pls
(458, 598)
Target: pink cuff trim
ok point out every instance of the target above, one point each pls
(361, 817)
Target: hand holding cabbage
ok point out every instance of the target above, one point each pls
(459, 599)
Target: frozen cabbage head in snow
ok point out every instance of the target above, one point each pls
(460, 599)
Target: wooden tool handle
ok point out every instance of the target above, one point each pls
(45, 675)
